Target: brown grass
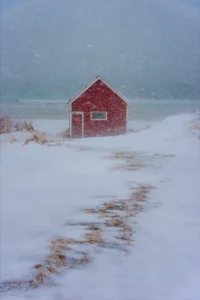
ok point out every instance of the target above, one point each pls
(133, 161)
(93, 236)
(38, 138)
(54, 262)
(58, 255)
(116, 214)
(141, 192)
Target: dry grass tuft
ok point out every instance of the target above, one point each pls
(134, 161)
(141, 192)
(89, 211)
(126, 229)
(94, 235)
(115, 223)
(110, 212)
(127, 239)
(58, 259)
(116, 214)
(38, 138)
(131, 161)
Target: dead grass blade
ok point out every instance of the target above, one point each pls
(111, 213)
(38, 138)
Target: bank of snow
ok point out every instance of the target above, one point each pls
(44, 187)
(56, 126)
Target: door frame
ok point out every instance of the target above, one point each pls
(77, 113)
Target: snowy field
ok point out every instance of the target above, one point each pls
(127, 207)
(56, 126)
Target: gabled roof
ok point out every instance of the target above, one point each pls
(91, 84)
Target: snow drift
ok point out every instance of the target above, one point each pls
(44, 188)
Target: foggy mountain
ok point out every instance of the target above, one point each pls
(52, 48)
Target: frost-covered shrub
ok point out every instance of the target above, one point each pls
(6, 124)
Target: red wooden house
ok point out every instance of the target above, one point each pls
(98, 110)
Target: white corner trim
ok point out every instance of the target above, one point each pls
(70, 121)
(127, 112)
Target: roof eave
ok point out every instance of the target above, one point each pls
(91, 84)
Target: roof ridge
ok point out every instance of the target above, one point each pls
(91, 84)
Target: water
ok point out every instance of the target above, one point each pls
(139, 110)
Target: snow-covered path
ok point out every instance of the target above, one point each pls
(43, 187)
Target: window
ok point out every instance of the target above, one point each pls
(98, 115)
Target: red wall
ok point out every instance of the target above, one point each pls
(100, 98)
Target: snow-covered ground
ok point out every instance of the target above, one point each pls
(45, 189)
(56, 126)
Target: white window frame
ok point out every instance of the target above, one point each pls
(105, 112)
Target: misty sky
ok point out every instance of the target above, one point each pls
(145, 48)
